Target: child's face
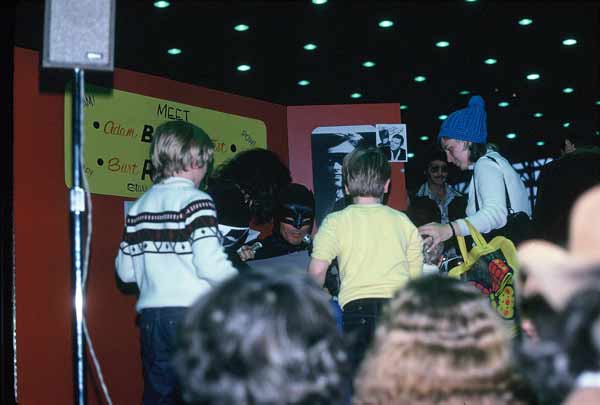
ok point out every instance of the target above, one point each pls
(198, 172)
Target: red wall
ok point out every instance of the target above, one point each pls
(301, 121)
(42, 247)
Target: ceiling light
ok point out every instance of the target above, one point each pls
(161, 4)
(310, 47)
(464, 92)
(470, 1)
(174, 51)
(241, 27)
(424, 138)
(244, 68)
(566, 124)
(540, 143)
(368, 64)
(442, 117)
(533, 76)
(403, 107)
(303, 83)
(355, 95)
(525, 21)
(511, 135)
(597, 102)
(442, 44)
(319, 2)
(420, 79)
(538, 115)
(490, 61)
(386, 23)
(569, 42)
(410, 155)
(568, 90)
(503, 104)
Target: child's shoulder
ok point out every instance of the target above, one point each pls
(398, 217)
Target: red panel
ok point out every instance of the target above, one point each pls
(44, 351)
(303, 120)
(42, 259)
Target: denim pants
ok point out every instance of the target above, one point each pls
(158, 337)
(359, 322)
(337, 313)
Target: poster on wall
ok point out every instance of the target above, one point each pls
(329, 147)
(391, 138)
(118, 127)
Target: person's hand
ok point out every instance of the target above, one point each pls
(438, 233)
(245, 253)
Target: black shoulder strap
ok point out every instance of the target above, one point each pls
(506, 195)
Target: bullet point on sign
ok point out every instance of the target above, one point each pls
(233, 148)
(100, 162)
(96, 124)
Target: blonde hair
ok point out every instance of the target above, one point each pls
(176, 146)
(365, 172)
(439, 342)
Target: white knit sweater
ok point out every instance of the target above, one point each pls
(171, 246)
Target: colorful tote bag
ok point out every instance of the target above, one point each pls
(492, 268)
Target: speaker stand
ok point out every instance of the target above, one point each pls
(77, 200)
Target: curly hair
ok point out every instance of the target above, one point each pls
(262, 339)
(259, 175)
(438, 342)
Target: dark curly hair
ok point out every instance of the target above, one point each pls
(262, 338)
(257, 175)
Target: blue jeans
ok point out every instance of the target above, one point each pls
(158, 337)
(337, 313)
(359, 321)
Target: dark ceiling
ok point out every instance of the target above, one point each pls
(347, 33)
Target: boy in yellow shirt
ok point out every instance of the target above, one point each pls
(378, 248)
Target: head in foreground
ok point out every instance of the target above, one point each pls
(438, 342)
(262, 339)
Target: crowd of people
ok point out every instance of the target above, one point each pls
(363, 322)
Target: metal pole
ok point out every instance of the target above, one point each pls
(77, 198)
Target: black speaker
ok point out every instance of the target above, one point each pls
(79, 34)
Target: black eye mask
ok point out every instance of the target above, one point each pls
(300, 215)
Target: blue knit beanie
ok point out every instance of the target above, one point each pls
(468, 124)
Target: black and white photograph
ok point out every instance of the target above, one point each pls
(329, 146)
(391, 138)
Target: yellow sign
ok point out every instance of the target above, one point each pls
(118, 128)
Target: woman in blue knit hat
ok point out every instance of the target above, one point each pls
(463, 136)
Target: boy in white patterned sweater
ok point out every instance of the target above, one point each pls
(171, 248)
